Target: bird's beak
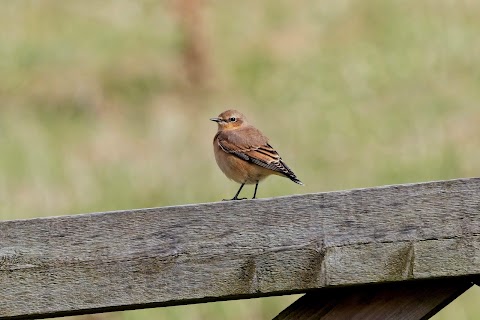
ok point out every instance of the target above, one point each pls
(216, 119)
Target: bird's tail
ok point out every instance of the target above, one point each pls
(295, 179)
(290, 175)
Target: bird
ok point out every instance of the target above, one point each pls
(244, 154)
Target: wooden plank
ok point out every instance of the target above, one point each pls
(229, 250)
(414, 300)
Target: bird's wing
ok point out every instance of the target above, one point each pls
(251, 145)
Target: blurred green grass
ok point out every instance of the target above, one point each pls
(97, 114)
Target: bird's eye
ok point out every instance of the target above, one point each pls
(232, 119)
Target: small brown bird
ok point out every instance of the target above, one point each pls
(243, 154)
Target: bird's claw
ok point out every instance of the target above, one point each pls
(234, 199)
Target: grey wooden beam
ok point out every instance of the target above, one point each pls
(229, 250)
(415, 300)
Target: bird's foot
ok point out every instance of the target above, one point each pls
(234, 198)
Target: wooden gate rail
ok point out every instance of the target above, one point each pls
(345, 241)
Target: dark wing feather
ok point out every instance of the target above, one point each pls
(250, 145)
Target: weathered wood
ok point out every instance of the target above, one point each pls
(229, 250)
(394, 301)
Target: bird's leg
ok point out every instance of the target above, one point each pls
(255, 192)
(236, 195)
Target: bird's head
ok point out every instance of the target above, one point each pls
(229, 120)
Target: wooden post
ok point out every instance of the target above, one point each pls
(243, 249)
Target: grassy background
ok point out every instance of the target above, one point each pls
(104, 105)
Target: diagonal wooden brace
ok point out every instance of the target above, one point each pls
(403, 301)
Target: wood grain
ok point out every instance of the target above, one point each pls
(229, 250)
(394, 301)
